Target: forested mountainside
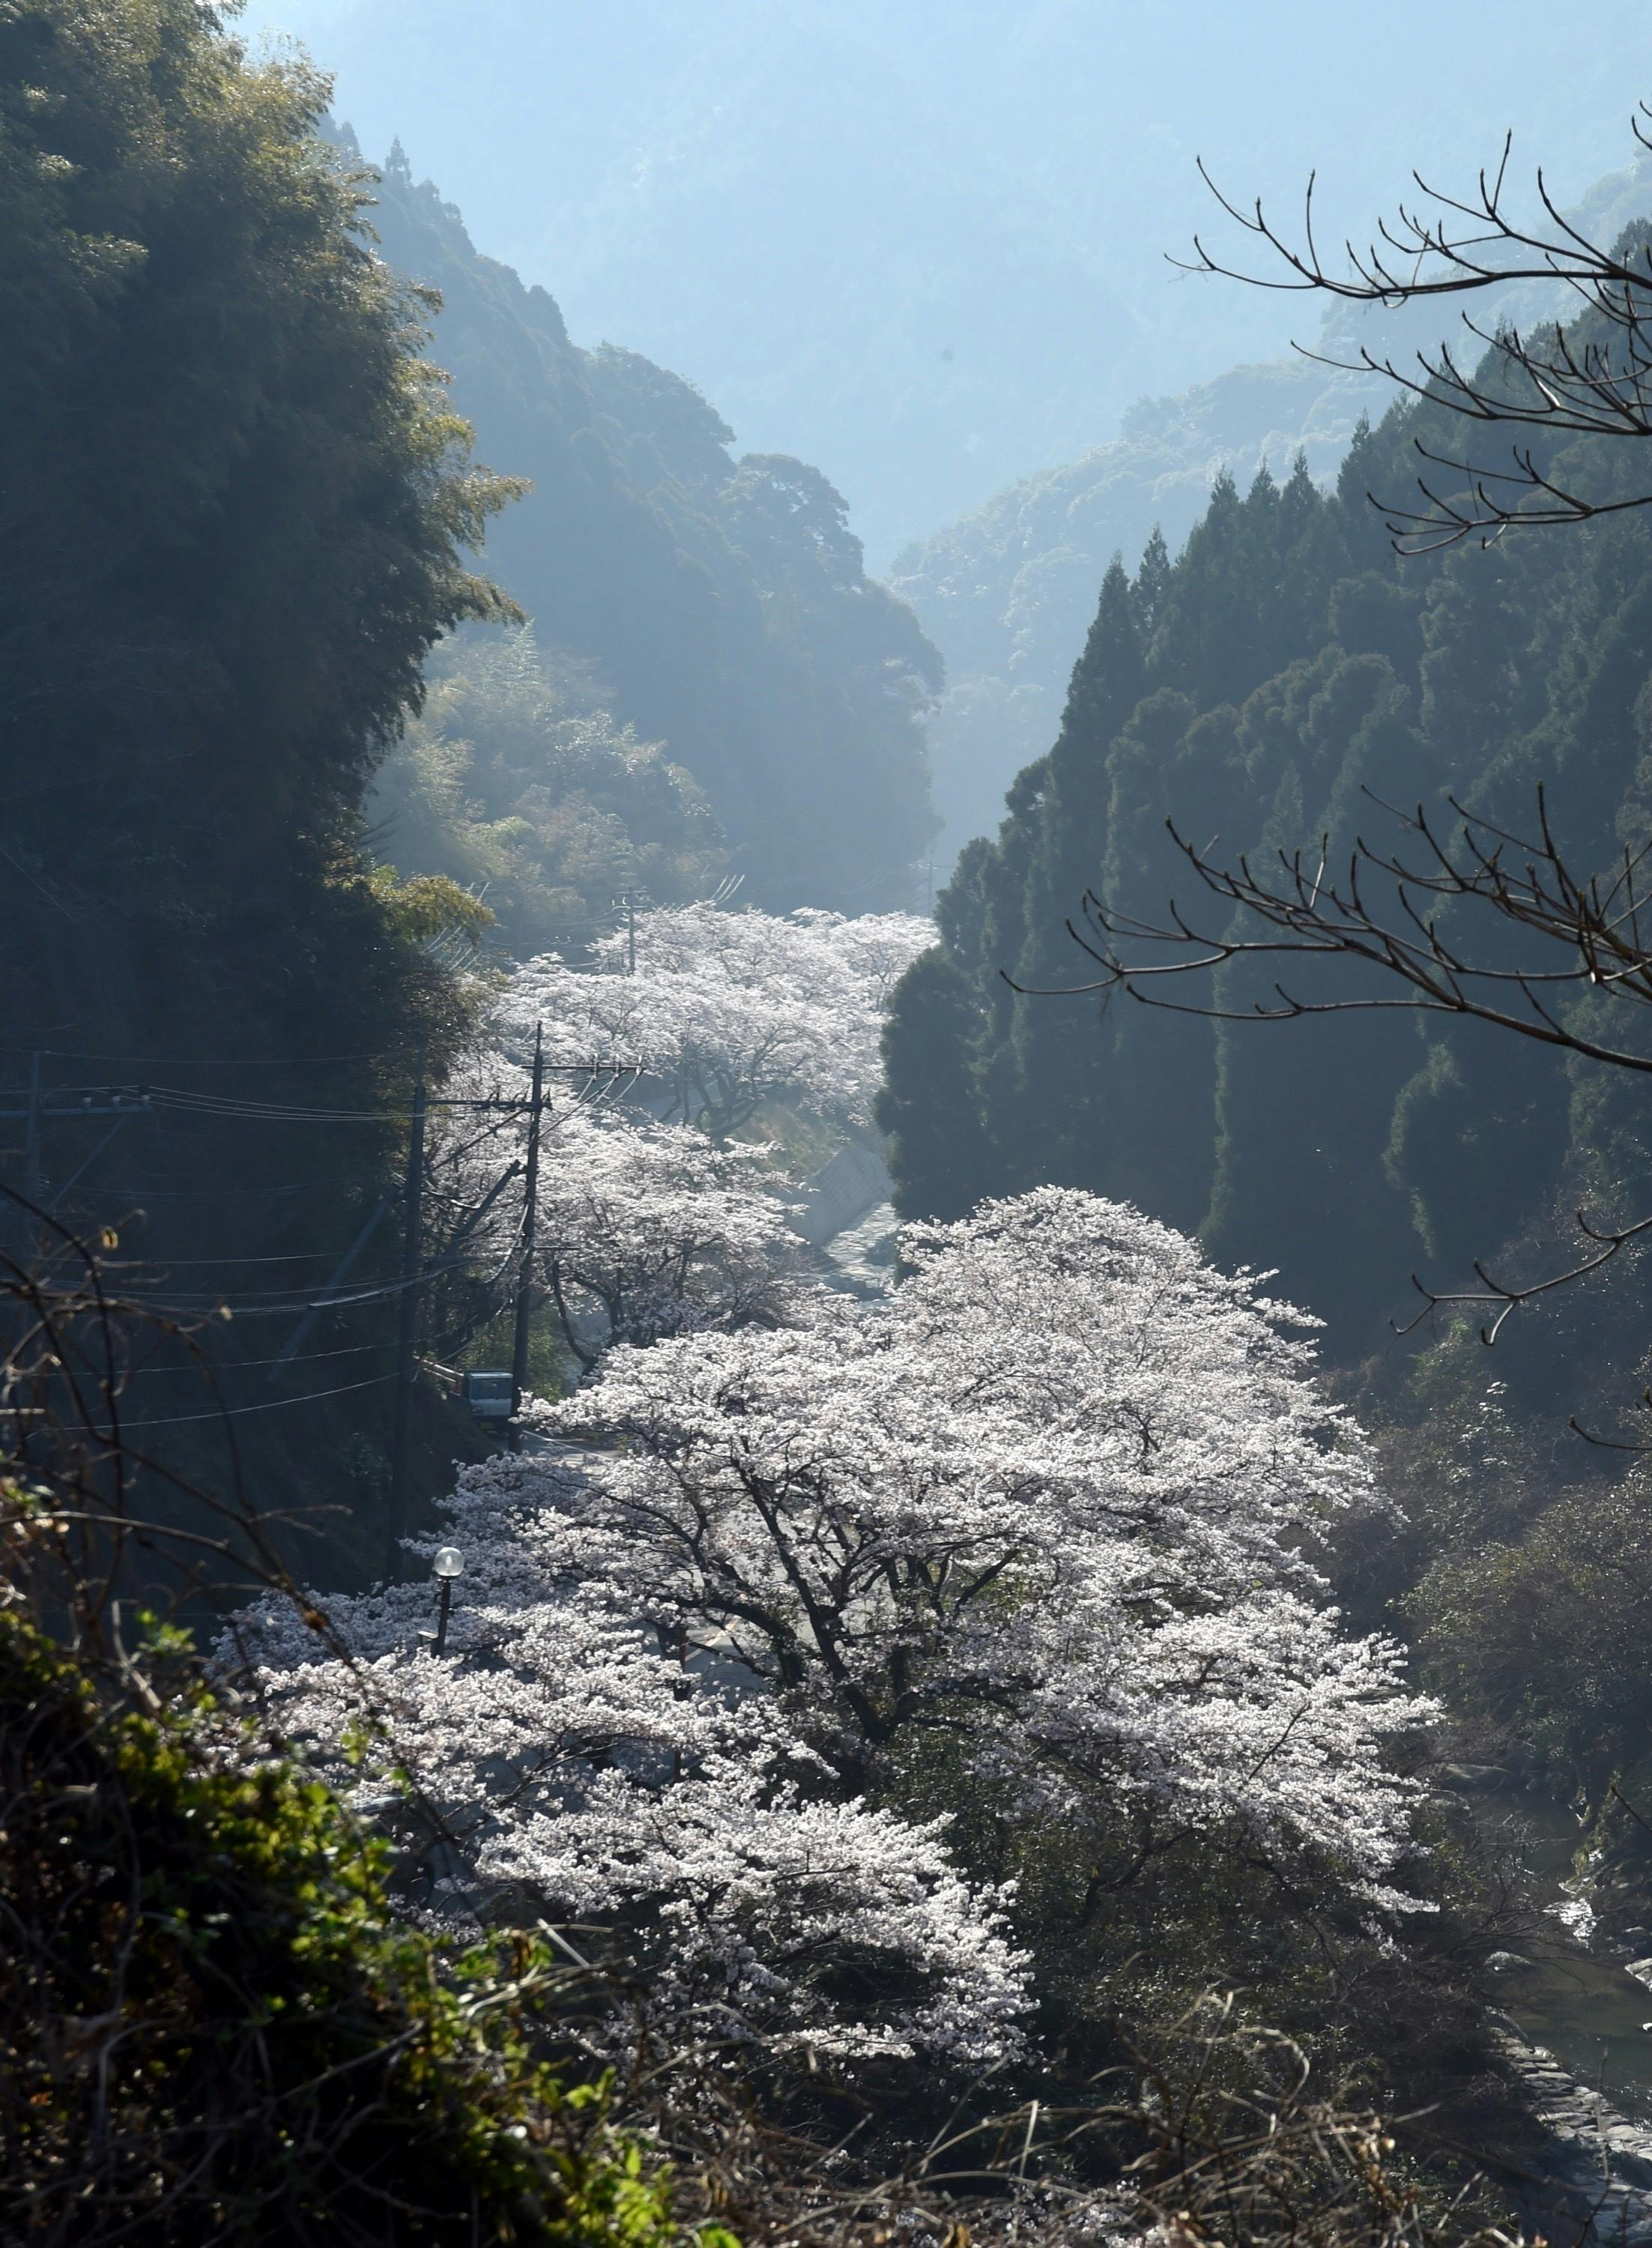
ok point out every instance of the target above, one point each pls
(1007, 592)
(718, 605)
(925, 246)
(1262, 690)
(276, 756)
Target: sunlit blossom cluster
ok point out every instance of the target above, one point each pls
(1051, 1506)
(643, 1228)
(725, 1011)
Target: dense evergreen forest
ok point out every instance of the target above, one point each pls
(1288, 684)
(566, 1679)
(1007, 592)
(1280, 680)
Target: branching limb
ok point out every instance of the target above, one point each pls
(1508, 1299)
(1591, 379)
(1585, 933)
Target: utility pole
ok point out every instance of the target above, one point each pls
(408, 1333)
(525, 1279)
(631, 934)
(42, 1109)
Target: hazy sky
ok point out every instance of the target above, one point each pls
(923, 246)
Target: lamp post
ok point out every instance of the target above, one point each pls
(447, 1565)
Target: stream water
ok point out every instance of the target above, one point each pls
(1593, 2015)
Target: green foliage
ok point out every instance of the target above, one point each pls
(1008, 589)
(1261, 690)
(216, 2026)
(237, 511)
(927, 1101)
(429, 910)
(1534, 1636)
(717, 607)
(515, 783)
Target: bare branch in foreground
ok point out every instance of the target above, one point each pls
(1592, 379)
(1573, 936)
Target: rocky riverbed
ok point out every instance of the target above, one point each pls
(1592, 2178)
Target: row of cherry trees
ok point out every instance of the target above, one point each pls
(724, 1012)
(652, 1219)
(801, 1622)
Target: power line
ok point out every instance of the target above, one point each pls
(234, 1365)
(217, 1194)
(270, 1405)
(244, 1307)
(213, 1104)
(206, 1061)
(289, 1257)
(296, 1293)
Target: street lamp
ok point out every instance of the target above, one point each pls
(447, 1565)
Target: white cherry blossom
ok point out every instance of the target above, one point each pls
(647, 1229)
(726, 1010)
(1049, 1509)
(643, 1228)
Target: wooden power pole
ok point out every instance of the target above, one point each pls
(407, 1331)
(524, 1276)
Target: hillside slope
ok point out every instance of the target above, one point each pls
(1262, 690)
(1007, 592)
(720, 604)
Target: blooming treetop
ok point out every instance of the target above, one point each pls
(1044, 1511)
(725, 1010)
(590, 1766)
(644, 1229)
(647, 1229)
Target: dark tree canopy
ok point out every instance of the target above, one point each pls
(719, 603)
(1293, 670)
(236, 513)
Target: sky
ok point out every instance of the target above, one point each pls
(923, 246)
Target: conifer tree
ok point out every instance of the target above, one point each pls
(1061, 1058)
(938, 1154)
(1152, 584)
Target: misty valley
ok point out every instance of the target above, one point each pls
(825, 1319)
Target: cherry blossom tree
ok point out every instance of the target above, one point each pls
(726, 1010)
(585, 1764)
(1042, 1523)
(646, 1231)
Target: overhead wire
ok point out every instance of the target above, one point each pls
(214, 1194)
(204, 1061)
(245, 1308)
(268, 1405)
(288, 1257)
(237, 1365)
(602, 1085)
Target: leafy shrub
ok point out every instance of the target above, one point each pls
(213, 2025)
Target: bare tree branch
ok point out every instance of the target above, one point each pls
(1591, 379)
(1581, 935)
